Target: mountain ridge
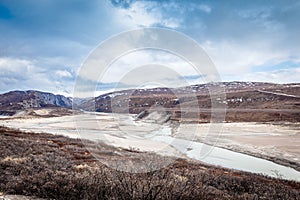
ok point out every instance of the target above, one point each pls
(14, 101)
(244, 101)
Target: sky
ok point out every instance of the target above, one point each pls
(44, 43)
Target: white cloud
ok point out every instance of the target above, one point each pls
(145, 14)
(129, 63)
(204, 7)
(233, 58)
(262, 17)
(63, 74)
(22, 74)
(275, 76)
(142, 68)
(16, 68)
(239, 39)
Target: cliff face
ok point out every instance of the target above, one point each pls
(14, 101)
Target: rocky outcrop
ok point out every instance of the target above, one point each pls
(14, 101)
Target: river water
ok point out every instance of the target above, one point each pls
(107, 128)
(229, 159)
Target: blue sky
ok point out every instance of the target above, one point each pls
(44, 42)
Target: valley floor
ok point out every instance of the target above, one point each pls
(275, 142)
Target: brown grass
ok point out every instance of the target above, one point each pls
(56, 167)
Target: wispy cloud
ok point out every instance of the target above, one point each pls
(145, 14)
(63, 74)
(275, 76)
(22, 74)
(235, 58)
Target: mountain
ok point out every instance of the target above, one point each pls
(245, 101)
(14, 101)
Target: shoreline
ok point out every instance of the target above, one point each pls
(114, 136)
(231, 144)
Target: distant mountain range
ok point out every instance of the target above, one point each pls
(245, 101)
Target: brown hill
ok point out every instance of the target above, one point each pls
(245, 101)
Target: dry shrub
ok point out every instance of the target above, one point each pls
(56, 167)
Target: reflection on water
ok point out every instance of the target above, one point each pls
(230, 159)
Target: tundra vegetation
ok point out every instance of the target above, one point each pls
(56, 167)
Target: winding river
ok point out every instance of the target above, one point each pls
(97, 127)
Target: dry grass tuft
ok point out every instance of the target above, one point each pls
(56, 167)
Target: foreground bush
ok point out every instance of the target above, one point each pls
(56, 167)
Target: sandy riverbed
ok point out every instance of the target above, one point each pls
(266, 140)
(279, 143)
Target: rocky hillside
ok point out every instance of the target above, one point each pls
(245, 101)
(14, 101)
